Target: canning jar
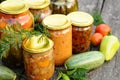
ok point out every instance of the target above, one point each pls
(81, 31)
(39, 8)
(38, 57)
(60, 29)
(15, 11)
(63, 6)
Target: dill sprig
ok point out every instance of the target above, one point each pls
(42, 29)
(13, 35)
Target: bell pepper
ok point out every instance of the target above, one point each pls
(109, 46)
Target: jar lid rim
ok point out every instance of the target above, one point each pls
(81, 19)
(13, 7)
(56, 22)
(30, 46)
(37, 4)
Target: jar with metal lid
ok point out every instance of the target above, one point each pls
(15, 11)
(39, 8)
(63, 6)
(60, 29)
(38, 57)
(81, 31)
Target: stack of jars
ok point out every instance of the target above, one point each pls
(69, 33)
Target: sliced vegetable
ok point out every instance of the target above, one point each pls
(6, 73)
(109, 46)
(88, 60)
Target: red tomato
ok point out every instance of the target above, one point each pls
(104, 29)
(96, 39)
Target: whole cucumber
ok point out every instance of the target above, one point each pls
(88, 60)
(6, 73)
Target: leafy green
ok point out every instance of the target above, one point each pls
(13, 35)
(77, 74)
(42, 29)
(97, 19)
(74, 74)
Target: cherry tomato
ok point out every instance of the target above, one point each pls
(96, 39)
(104, 29)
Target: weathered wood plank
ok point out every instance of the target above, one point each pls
(110, 70)
(90, 6)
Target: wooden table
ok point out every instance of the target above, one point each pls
(110, 11)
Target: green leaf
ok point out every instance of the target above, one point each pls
(78, 74)
(42, 29)
(97, 19)
(12, 36)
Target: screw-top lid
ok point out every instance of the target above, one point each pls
(13, 7)
(56, 22)
(80, 19)
(37, 4)
(37, 44)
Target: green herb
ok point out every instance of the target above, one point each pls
(77, 74)
(36, 17)
(97, 19)
(62, 76)
(42, 29)
(13, 35)
(73, 74)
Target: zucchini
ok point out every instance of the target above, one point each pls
(87, 60)
(6, 73)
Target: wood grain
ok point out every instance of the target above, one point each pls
(110, 12)
(110, 70)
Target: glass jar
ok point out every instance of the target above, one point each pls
(81, 31)
(60, 29)
(38, 57)
(13, 57)
(13, 12)
(39, 8)
(63, 6)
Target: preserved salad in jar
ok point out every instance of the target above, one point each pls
(63, 6)
(81, 31)
(14, 15)
(15, 11)
(60, 29)
(38, 57)
(39, 8)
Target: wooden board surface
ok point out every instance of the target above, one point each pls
(110, 70)
(110, 11)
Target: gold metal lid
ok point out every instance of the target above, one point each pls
(80, 19)
(13, 7)
(37, 44)
(37, 4)
(56, 22)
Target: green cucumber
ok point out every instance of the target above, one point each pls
(6, 73)
(87, 60)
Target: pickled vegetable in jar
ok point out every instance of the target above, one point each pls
(38, 57)
(15, 11)
(81, 31)
(60, 29)
(39, 8)
(63, 6)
